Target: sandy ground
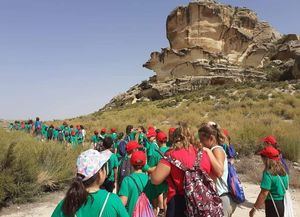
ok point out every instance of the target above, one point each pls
(46, 205)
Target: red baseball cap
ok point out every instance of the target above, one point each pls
(131, 145)
(138, 158)
(161, 136)
(103, 130)
(271, 140)
(73, 133)
(172, 130)
(113, 130)
(270, 152)
(151, 133)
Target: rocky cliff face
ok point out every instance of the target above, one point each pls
(213, 43)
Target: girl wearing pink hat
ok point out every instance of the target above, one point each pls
(84, 197)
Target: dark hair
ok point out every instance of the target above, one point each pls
(81, 127)
(77, 194)
(143, 129)
(37, 119)
(108, 142)
(137, 167)
(71, 126)
(207, 130)
(157, 130)
(128, 129)
(120, 136)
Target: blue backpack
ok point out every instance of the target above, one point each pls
(234, 185)
(230, 151)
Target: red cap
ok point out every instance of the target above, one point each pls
(225, 132)
(172, 130)
(151, 133)
(138, 158)
(161, 136)
(103, 130)
(131, 145)
(73, 133)
(96, 132)
(270, 152)
(113, 130)
(271, 140)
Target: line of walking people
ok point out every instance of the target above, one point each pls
(149, 173)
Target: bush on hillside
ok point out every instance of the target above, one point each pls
(29, 167)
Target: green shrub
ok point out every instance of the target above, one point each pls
(29, 167)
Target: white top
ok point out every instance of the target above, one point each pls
(221, 182)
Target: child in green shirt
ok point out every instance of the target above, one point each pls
(84, 197)
(133, 185)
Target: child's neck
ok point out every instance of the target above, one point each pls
(138, 171)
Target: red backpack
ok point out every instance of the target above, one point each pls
(200, 191)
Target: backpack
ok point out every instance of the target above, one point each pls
(234, 185)
(50, 133)
(142, 207)
(202, 199)
(122, 148)
(60, 136)
(124, 169)
(229, 150)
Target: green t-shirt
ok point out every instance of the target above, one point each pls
(164, 149)
(95, 139)
(112, 164)
(153, 155)
(129, 189)
(113, 208)
(153, 191)
(74, 141)
(55, 134)
(274, 185)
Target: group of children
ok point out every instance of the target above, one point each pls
(151, 173)
(64, 134)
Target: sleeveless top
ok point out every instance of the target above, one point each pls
(221, 182)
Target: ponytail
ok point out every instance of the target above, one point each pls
(212, 129)
(77, 194)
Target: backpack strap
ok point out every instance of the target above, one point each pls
(104, 205)
(282, 183)
(139, 190)
(274, 205)
(198, 159)
(175, 163)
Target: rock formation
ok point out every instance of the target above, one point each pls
(206, 31)
(213, 44)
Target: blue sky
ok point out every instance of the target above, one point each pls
(64, 58)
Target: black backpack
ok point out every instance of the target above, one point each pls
(50, 133)
(125, 169)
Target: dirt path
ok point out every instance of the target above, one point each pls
(46, 205)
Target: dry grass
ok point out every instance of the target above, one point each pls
(249, 113)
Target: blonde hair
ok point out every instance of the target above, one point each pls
(212, 129)
(274, 167)
(182, 136)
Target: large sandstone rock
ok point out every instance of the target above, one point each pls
(211, 31)
(215, 44)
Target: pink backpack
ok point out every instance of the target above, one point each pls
(200, 191)
(142, 207)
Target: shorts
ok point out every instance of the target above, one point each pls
(270, 209)
(229, 205)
